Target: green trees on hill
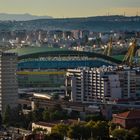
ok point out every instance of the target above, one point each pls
(123, 134)
(54, 113)
(83, 130)
(60, 129)
(7, 115)
(95, 131)
(88, 130)
(15, 117)
(12, 116)
(78, 131)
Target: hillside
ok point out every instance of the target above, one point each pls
(103, 23)
(20, 17)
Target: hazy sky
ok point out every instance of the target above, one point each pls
(70, 8)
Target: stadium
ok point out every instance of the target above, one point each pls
(44, 66)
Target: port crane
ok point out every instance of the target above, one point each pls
(108, 49)
(129, 57)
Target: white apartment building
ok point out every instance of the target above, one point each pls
(8, 80)
(98, 84)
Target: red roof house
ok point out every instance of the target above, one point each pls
(128, 119)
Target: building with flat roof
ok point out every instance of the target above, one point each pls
(89, 85)
(138, 84)
(8, 86)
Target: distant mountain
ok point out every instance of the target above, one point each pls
(99, 24)
(21, 17)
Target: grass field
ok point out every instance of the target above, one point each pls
(118, 57)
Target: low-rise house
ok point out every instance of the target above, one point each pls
(127, 119)
(47, 126)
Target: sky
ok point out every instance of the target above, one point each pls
(71, 8)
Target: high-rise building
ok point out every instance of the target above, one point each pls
(84, 33)
(128, 83)
(138, 84)
(8, 80)
(76, 34)
(100, 84)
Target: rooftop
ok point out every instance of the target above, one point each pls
(53, 123)
(31, 50)
(132, 114)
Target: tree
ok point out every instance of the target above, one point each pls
(74, 114)
(46, 115)
(119, 133)
(112, 126)
(85, 131)
(16, 116)
(0, 120)
(102, 129)
(66, 98)
(7, 116)
(55, 96)
(40, 130)
(60, 129)
(54, 136)
(56, 107)
(37, 115)
(92, 129)
(94, 117)
(79, 131)
(57, 115)
(135, 133)
(28, 120)
(74, 132)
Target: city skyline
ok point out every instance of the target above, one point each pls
(71, 8)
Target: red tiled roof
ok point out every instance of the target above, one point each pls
(132, 114)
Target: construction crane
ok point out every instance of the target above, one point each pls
(108, 49)
(129, 57)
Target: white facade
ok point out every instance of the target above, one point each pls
(44, 126)
(8, 80)
(99, 84)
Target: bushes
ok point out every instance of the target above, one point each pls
(83, 130)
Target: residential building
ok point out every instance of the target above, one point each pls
(8, 86)
(49, 125)
(128, 83)
(127, 119)
(84, 33)
(87, 85)
(76, 34)
(43, 125)
(138, 84)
